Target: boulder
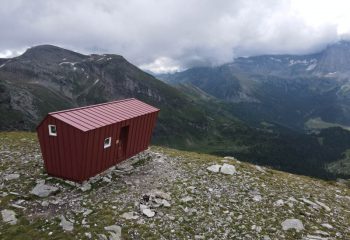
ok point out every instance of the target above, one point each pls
(11, 176)
(187, 199)
(292, 224)
(66, 225)
(9, 216)
(115, 232)
(214, 168)
(129, 215)
(43, 190)
(228, 169)
(85, 187)
(148, 212)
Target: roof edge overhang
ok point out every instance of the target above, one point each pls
(79, 108)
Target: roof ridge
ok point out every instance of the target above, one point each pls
(90, 106)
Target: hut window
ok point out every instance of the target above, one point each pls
(52, 130)
(107, 142)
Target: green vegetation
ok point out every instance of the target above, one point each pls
(318, 123)
(341, 166)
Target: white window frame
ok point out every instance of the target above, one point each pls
(109, 142)
(52, 133)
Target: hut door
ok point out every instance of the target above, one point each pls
(123, 140)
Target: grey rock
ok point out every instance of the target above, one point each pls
(106, 179)
(328, 209)
(260, 169)
(87, 212)
(129, 216)
(11, 176)
(278, 203)
(142, 207)
(199, 237)
(327, 225)
(115, 232)
(214, 168)
(85, 187)
(311, 203)
(43, 190)
(228, 169)
(313, 237)
(148, 212)
(102, 236)
(88, 235)
(257, 198)
(66, 225)
(166, 203)
(321, 233)
(292, 224)
(18, 206)
(9, 216)
(187, 199)
(161, 194)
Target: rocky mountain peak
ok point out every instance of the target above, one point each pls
(335, 57)
(50, 53)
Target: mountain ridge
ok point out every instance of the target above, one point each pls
(292, 89)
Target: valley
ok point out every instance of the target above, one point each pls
(260, 119)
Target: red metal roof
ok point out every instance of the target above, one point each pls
(99, 115)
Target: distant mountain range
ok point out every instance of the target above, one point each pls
(297, 91)
(254, 108)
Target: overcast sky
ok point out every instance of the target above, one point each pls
(164, 35)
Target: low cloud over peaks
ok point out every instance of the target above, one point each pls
(169, 35)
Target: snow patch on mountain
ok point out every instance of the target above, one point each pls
(311, 67)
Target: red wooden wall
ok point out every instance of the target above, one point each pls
(76, 155)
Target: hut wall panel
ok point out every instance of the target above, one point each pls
(147, 131)
(116, 152)
(80, 137)
(97, 151)
(153, 125)
(53, 151)
(108, 159)
(144, 131)
(141, 132)
(61, 148)
(43, 146)
(135, 135)
(89, 153)
(77, 155)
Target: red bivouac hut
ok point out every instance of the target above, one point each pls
(79, 143)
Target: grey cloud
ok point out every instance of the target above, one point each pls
(188, 32)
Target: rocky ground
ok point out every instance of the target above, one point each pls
(165, 194)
